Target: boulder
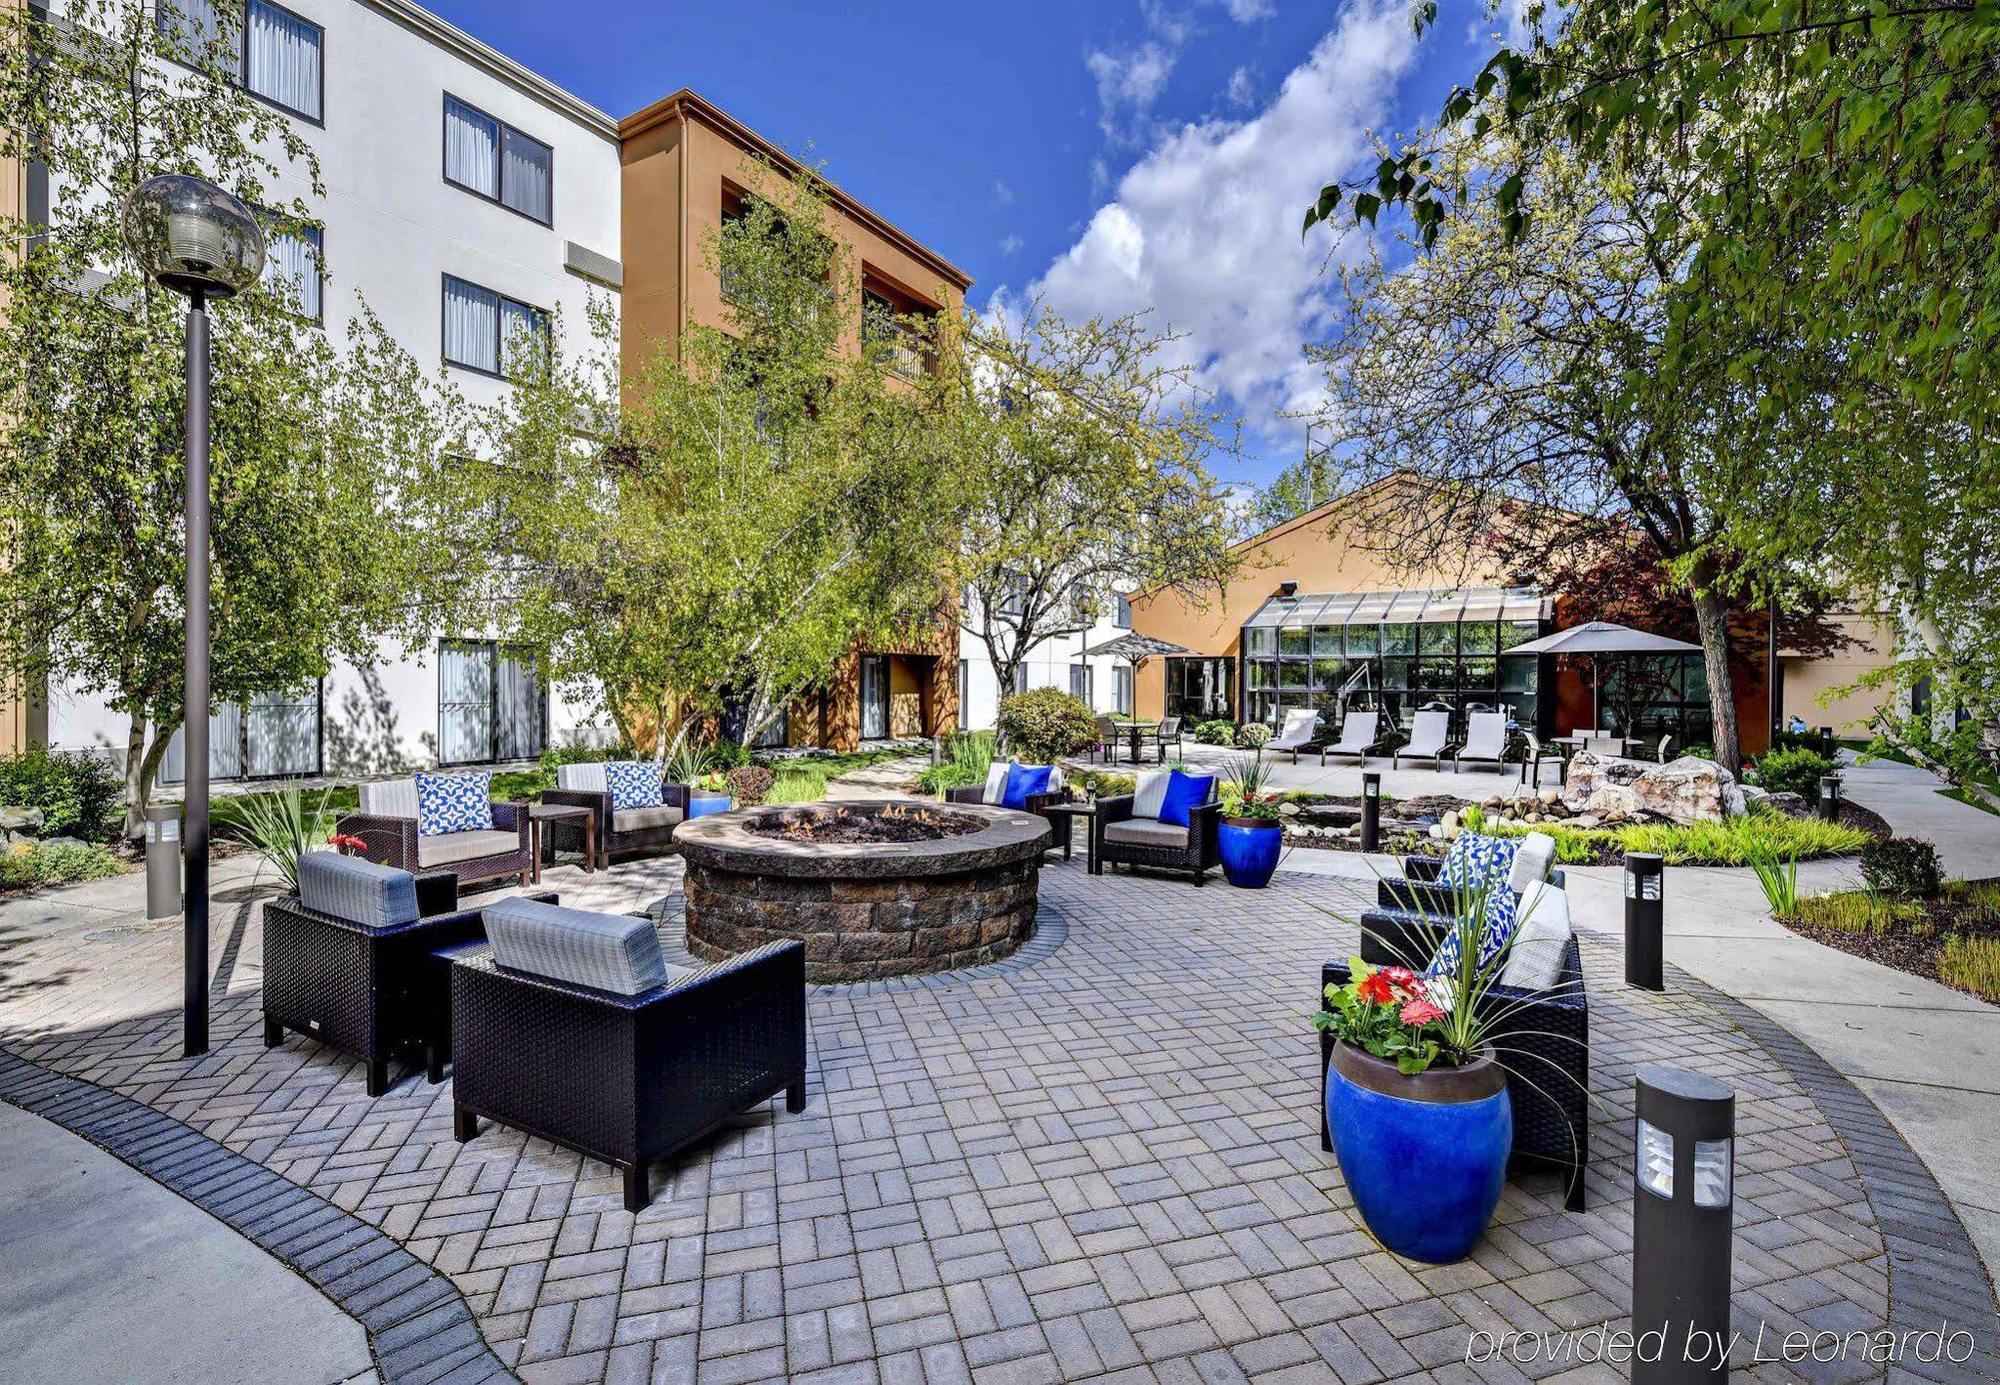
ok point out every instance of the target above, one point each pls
(20, 819)
(1684, 790)
(1289, 810)
(1790, 804)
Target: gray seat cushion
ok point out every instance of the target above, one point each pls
(1146, 832)
(347, 887)
(447, 847)
(639, 819)
(606, 952)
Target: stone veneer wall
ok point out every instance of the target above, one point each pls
(858, 930)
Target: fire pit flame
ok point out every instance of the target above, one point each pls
(842, 826)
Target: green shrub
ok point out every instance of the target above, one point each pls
(727, 755)
(1103, 785)
(55, 865)
(1858, 911)
(78, 792)
(797, 784)
(1252, 734)
(1044, 724)
(1798, 740)
(1735, 842)
(1699, 752)
(1903, 866)
(1216, 733)
(748, 784)
(1792, 771)
(950, 775)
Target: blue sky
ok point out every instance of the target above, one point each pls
(1104, 155)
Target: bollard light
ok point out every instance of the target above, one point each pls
(1683, 1226)
(1645, 921)
(1829, 797)
(163, 861)
(1371, 811)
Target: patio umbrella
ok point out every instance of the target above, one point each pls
(1135, 650)
(1602, 637)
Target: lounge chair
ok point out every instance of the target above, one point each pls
(1485, 740)
(1300, 730)
(1430, 739)
(571, 1027)
(350, 962)
(388, 825)
(1359, 734)
(1128, 829)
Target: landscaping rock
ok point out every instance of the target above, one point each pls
(25, 820)
(1289, 810)
(63, 841)
(1790, 804)
(1683, 791)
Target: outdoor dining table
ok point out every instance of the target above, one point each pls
(1576, 740)
(1137, 729)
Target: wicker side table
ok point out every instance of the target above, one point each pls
(543, 816)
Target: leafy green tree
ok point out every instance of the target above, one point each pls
(1084, 447)
(1305, 485)
(319, 471)
(765, 499)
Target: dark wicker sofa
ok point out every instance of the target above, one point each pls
(371, 991)
(627, 1079)
(392, 838)
(1155, 845)
(1543, 1037)
(619, 831)
(1404, 927)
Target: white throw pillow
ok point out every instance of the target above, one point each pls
(1055, 779)
(1151, 795)
(585, 778)
(1535, 963)
(1532, 860)
(996, 783)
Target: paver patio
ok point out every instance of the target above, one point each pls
(1095, 1159)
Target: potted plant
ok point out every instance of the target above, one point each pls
(1416, 1098)
(708, 793)
(1251, 831)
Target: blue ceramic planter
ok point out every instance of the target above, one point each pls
(1249, 854)
(700, 805)
(1425, 1166)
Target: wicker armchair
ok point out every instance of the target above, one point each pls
(1411, 913)
(1543, 1037)
(387, 823)
(1193, 850)
(1037, 803)
(372, 991)
(620, 830)
(627, 1079)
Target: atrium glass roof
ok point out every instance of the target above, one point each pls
(1437, 607)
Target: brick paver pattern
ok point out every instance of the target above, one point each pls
(1104, 1164)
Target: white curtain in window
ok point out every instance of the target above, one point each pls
(194, 22)
(522, 330)
(471, 325)
(282, 733)
(225, 748)
(471, 148)
(282, 58)
(527, 182)
(520, 728)
(291, 269)
(465, 703)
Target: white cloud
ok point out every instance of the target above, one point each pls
(1128, 82)
(1204, 228)
(1242, 89)
(1002, 193)
(1011, 245)
(1250, 11)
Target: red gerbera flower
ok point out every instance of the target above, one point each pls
(1375, 989)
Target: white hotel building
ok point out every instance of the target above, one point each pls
(463, 194)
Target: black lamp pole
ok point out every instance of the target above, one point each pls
(194, 712)
(192, 237)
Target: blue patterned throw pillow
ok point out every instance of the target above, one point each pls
(454, 803)
(1475, 859)
(632, 784)
(1485, 864)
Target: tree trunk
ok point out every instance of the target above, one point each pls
(138, 779)
(1712, 621)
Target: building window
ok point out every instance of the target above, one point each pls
(1124, 616)
(294, 255)
(1122, 689)
(1201, 689)
(886, 324)
(498, 162)
(274, 735)
(277, 55)
(489, 332)
(1081, 684)
(490, 703)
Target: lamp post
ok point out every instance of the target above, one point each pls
(192, 237)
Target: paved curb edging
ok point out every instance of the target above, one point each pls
(1934, 1270)
(419, 1328)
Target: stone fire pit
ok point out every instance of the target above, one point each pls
(873, 887)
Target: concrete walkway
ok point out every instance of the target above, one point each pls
(111, 1277)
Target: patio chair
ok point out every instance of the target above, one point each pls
(992, 793)
(1168, 734)
(1485, 740)
(1665, 741)
(1538, 755)
(1430, 739)
(1106, 743)
(388, 825)
(619, 830)
(1300, 730)
(1401, 929)
(572, 1028)
(348, 962)
(1607, 744)
(1541, 1029)
(1127, 829)
(1360, 734)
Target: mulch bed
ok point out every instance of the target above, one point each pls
(1913, 947)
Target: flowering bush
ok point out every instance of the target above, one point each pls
(1252, 734)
